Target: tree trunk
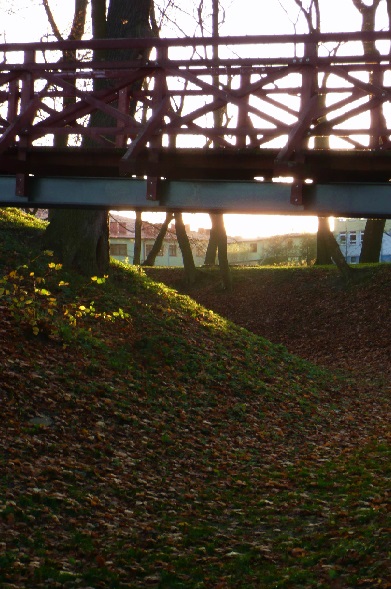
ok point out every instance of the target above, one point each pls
(313, 19)
(372, 242)
(137, 239)
(187, 255)
(211, 250)
(323, 255)
(221, 238)
(338, 257)
(79, 238)
(373, 235)
(329, 249)
(150, 259)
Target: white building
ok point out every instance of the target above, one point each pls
(349, 234)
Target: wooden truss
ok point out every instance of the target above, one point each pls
(290, 104)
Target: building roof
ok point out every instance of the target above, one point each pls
(121, 226)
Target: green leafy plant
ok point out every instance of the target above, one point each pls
(27, 299)
(32, 304)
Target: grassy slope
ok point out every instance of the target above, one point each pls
(311, 311)
(181, 451)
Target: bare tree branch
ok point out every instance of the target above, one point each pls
(78, 23)
(52, 22)
(79, 20)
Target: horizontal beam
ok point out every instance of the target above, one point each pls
(322, 166)
(198, 41)
(370, 200)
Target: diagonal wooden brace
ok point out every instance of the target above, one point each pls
(299, 130)
(22, 122)
(145, 135)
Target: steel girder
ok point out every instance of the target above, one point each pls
(340, 199)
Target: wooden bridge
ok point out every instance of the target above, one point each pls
(293, 124)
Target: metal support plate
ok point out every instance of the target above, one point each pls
(340, 199)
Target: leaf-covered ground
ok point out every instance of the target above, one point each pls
(176, 449)
(311, 311)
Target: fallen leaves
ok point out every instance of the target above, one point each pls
(204, 458)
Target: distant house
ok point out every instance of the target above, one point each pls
(349, 234)
(278, 249)
(122, 236)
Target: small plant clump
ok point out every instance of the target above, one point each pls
(30, 302)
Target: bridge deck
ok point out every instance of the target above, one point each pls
(269, 107)
(208, 164)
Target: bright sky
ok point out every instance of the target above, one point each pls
(242, 17)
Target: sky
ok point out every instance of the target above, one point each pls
(242, 17)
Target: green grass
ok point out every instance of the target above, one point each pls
(184, 451)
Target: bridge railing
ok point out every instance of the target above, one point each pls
(291, 92)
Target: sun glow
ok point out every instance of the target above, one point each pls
(245, 226)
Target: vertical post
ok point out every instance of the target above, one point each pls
(26, 95)
(13, 97)
(27, 90)
(243, 118)
(160, 91)
(217, 114)
(309, 88)
(123, 107)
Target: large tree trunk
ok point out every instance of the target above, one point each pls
(313, 19)
(150, 259)
(137, 239)
(87, 233)
(187, 255)
(222, 250)
(218, 235)
(373, 235)
(330, 250)
(217, 246)
(337, 256)
(211, 250)
(80, 239)
(323, 256)
(372, 242)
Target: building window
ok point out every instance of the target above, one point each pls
(148, 249)
(122, 230)
(353, 259)
(361, 236)
(172, 250)
(342, 238)
(118, 249)
(253, 248)
(353, 237)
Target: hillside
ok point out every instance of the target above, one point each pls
(167, 447)
(311, 311)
